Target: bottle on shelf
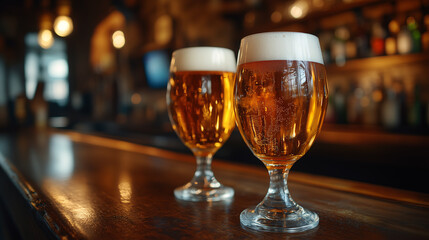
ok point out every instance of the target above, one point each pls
(369, 108)
(405, 42)
(39, 106)
(390, 110)
(377, 96)
(354, 108)
(425, 35)
(391, 40)
(362, 36)
(340, 108)
(415, 110)
(338, 45)
(404, 39)
(415, 34)
(377, 39)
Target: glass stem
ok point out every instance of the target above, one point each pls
(204, 176)
(278, 202)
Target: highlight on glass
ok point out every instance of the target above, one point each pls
(199, 99)
(280, 100)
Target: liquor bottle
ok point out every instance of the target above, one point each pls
(415, 34)
(354, 108)
(361, 37)
(339, 102)
(351, 46)
(391, 40)
(415, 111)
(377, 97)
(405, 41)
(40, 106)
(338, 45)
(377, 39)
(425, 35)
(21, 109)
(390, 112)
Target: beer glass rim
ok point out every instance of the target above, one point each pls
(203, 58)
(280, 33)
(200, 48)
(283, 45)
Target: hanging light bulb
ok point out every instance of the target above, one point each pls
(45, 38)
(63, 26)
(299, 9)
(118, 39)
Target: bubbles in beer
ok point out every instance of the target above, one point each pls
(280, 107)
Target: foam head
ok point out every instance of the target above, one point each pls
(203, 59)
(280, 46)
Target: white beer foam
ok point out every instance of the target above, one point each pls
(203, 59)
(280, 46)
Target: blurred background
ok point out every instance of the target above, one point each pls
(101, 67)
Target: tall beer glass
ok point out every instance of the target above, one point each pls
(280, 98)
(199, 99)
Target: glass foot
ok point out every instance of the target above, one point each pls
(206, 194)
(275, 220)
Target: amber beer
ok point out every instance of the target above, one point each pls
(201, 108)
(280, 99)
(200, 97)
(280, 106)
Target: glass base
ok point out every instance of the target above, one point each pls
(191, 193)
(275, 220)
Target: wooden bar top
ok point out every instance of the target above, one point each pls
(68, 185)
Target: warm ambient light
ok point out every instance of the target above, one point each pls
(63, 26)
(299, 9)
(276, 17)
(45, 38)
(118, 39)
(136, 99)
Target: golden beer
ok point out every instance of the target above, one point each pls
(280, 99)
(201, 108)
(280, 107)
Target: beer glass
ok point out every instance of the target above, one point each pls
(199, 99)
(280, 99)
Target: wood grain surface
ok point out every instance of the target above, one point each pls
(67, 185)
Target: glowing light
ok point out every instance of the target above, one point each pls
(249, 19)
(276, 17)
(125, 189)
(118, 39)
(61, 158)
(163, 29)
(394, 27)
(377, 96)
(60, 90)
(45, 38)
(390, 46)
(299, 9)
(63, 26)
(136, 99)
(58, 68)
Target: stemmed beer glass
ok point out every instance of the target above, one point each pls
(199, 99)
(280, 99)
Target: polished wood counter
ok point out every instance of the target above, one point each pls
(67, 185)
